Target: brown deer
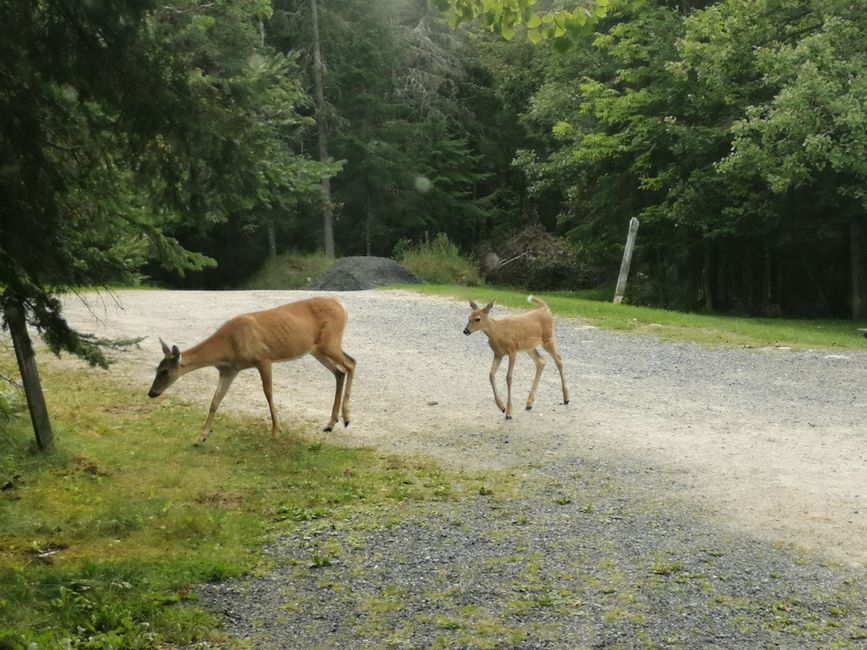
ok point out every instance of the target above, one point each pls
(513, 334)
(256, 340)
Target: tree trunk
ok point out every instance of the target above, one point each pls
(272, 240)
(707, 276)
(321, 131)
(856, 236)
(14, 314)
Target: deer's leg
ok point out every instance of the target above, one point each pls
(349, 364)
(540, 365)
(493, 376)
(509, 385)
(264, 368)
(552, 350)
(227, 376)
(340, 378)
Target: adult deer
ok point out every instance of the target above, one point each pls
(256, 340)
(513, 334)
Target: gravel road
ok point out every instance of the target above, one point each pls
(759, 452)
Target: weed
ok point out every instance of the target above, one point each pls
(665, 568)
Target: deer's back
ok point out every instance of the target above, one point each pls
(286, 332)
(524, 332)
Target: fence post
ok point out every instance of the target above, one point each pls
(627, 260)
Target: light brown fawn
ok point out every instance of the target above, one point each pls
(512, 334)
(256, 340)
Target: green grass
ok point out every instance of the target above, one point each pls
(438, 261)
(672, 325)
(104, 537)
(289, 271)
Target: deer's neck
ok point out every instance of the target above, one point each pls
(199, 356)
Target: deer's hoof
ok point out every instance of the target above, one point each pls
(565, 401)
(346, 423)
(197, 444)
(508, 417)
(529, 407)
(328, 429)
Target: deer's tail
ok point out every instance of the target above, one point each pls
(537, 302)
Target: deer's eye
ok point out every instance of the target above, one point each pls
(478, 319)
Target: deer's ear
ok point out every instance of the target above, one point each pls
(489, 306)
(176, 354)
(166, 350)
(473, 305)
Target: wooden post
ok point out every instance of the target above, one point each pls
(627, 260)
(14, 314)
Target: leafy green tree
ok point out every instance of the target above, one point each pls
(120, 122)
(812, 135)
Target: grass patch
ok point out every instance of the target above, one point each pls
(103, 538)
(672, 325)
(438, 261)
(289, 271)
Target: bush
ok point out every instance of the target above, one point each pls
(289, 271)
(438, 262)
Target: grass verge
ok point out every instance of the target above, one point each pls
(672, 325)
(103, 539)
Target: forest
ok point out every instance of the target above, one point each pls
(184, 142)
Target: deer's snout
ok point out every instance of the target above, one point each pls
(467, 331)
(152, 393)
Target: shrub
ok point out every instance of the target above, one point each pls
(289, 271)
(438, 262)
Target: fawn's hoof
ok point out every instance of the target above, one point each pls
(508, 417)
(529, 407)
(565, 401)
(328, 428)
(345, 423)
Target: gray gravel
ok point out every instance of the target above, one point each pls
(713, 497)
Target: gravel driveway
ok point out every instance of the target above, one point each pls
(764, 448)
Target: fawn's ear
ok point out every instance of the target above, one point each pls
(473, 305)
(166, 350)
(489, 306)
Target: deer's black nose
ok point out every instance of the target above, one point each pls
(153, 393)
(467, 331)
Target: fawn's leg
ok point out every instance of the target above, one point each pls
(540, 365)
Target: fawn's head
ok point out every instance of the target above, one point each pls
(478, 318)
(167, 370)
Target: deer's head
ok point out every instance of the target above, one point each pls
(478, 318)
(167, 370)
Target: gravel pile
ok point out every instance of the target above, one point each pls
(358, 273)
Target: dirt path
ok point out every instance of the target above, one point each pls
(771, 443)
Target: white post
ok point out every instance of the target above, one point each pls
(627, 260)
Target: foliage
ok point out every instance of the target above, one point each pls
(289, 271)
(438, 261)
(120, 124)
(686, 116)
(562, 26)
(104, 540)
